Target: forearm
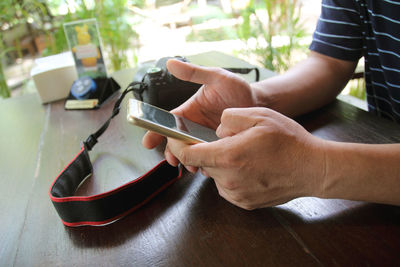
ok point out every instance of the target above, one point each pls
(309, 85)
(362, 172)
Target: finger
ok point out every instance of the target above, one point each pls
(191, 169)
(171, 159)
(197, 155)
(194, 111)
(236, 120)
(193, 73)
(151, 139)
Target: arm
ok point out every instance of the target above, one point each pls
(362, 172)
(311, 84)
(278, 157)
(264, 159)
(353, 171)
(314, 82)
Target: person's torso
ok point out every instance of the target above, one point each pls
(380, 22)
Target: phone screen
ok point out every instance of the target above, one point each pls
(166, 123)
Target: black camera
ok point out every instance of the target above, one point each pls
(160, 88)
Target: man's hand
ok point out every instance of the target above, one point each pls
(265, 158)
(221, 89)
(262, 159)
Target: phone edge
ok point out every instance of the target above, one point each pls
(162, 130)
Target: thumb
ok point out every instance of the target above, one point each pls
(193, 73)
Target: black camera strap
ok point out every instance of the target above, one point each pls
(109, 206)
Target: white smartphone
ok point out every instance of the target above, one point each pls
(167, 124)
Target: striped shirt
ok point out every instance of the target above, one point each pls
(350, 29)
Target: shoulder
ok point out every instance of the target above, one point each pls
(338, 32)
(341, 4)
(340, 8)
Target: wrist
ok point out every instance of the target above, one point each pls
(276, 93)
(322, 174)
(262, 96)
(345, 170)
(317, 175)
(363, 172)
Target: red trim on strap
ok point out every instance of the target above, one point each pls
(77, 155)
(99, 223)
(101, 195)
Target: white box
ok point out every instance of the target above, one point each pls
(53, 76)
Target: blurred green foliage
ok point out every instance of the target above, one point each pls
(4, 90)
(199, 15)
(210, 35)
(263, 22)
(116, 31)
(112, 15)
(12, 13)
(357, 88)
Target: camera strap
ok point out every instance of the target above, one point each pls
(109, 206)
(245, 71)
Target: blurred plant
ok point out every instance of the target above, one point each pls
(115, 28)
(214, 31)
(210, 35)
(4, 89)
(357, 88)
(12, 13)
(200, 14)
(116, 31)
(265, 24)
(137, 3)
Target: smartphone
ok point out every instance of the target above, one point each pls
(167, 124)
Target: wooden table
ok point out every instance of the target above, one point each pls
(188, 224)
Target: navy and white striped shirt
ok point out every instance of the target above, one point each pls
(350, 29)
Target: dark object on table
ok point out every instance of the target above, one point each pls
(83, 88)
(160, 88)
(90, 93)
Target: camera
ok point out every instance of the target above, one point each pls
(160, 88)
